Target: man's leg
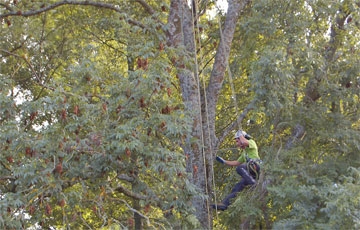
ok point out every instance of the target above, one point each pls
(237, 188)
(247, 179)
(244, 173)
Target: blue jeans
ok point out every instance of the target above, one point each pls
(246, 180)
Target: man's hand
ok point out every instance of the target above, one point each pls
(220, 159)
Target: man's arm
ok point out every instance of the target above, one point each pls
(232, 163)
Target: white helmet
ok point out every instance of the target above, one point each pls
(240, 133)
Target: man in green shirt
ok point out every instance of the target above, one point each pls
(246, 166)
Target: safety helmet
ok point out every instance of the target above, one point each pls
(240, 133)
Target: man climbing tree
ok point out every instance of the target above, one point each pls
(247, 166)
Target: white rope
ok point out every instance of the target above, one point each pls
(196, 73)
(194, 17)
(207, 116)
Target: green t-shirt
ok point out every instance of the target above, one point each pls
(251, 151)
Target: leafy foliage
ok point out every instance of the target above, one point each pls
(99, 138)
(93, 125)
(309, 148)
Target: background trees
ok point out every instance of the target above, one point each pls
(302, 75)
(112, 112)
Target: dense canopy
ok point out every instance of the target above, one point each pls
(112, 113)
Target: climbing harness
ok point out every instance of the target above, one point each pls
(253, 166)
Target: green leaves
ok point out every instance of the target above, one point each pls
(95, 136)
(93, 125)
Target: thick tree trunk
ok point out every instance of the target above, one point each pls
(181, 33)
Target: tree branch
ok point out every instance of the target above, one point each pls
(29, 13)
(125, 178)
(5, 178)
(236, 122)
(138, 196)
(146, 6)
(58, 4)
(5, 166)
(6, 6)
(235, 9)
(129, 193)
(136, 211)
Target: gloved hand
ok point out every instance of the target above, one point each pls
(220, 159)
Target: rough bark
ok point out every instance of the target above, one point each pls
(181, 33)
(235, 8)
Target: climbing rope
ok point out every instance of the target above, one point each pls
(197, 77)
(195, 17)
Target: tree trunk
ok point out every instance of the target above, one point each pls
(181, 33)
(235, 7)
